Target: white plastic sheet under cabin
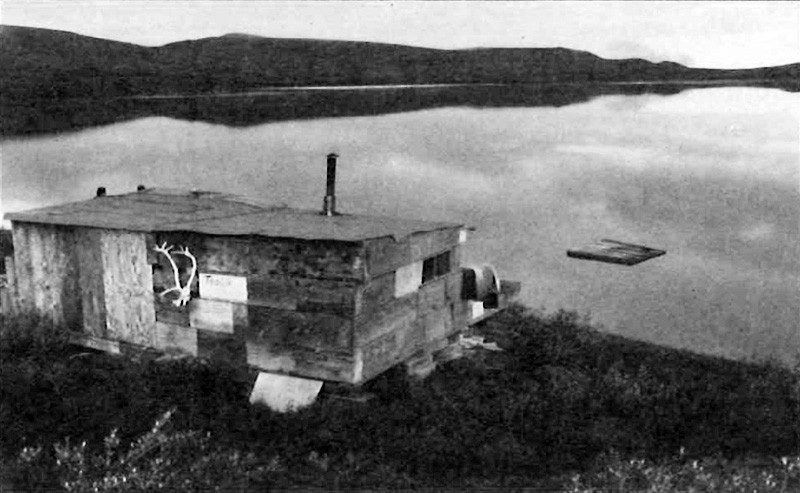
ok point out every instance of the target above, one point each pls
(283, 393)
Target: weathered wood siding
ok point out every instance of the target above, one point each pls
(387, 255)
(8, 293)
(277, 305)
(253, 256)
(46, 273)
(317, 309)
(90, 280)
(390, 340)
(303, 294)
(390, 329)
(328, 365)
(128, 285)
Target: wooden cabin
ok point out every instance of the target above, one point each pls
(325, 296)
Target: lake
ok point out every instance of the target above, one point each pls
(711, 175)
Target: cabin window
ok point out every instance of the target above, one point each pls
(408, 278)
(435, 267)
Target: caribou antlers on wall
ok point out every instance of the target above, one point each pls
(184, 292)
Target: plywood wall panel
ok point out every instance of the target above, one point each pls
(23, 265)
(90, 280)
(47, 272)
(128, 284)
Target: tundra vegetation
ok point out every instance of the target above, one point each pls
(563, 408)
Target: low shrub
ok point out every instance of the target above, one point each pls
(556, 402)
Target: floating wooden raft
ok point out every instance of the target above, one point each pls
(615, 252)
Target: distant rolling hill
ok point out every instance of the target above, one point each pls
(47, 64)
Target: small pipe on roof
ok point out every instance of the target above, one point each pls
(101, 192)
(141, 188)
(329, 204)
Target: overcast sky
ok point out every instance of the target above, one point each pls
(703, 34)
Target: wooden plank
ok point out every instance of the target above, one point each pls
(454, 285)
(98, 343)
(303, 294)
(10, 301)
(47, 272)
(271, 256)
(222, 347)
(322, 365)
(461, 315)
(128, 285)
(316, 331)
(67, 274)
(90, 281)
(374, 294)
(211, 315)
(175, 339)
(386, 255)
(615, 252)
(150, 244)
(430, 243)
(168, 313)
(6, 248)
(23, 266)
(433, 295)
(437, 324)
(402, 339)
(39, 282)
(374, 323)
(309, 259)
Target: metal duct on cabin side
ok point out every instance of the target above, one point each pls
(480, 283)
(329, 204)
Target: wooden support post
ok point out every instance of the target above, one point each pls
(420, 365)
(8, 292)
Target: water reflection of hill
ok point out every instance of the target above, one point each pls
(240, 110)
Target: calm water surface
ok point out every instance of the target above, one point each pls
(710, 175)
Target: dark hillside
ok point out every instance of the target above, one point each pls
(40, 63)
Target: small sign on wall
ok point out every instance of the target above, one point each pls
(223, 287)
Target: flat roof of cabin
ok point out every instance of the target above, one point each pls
(221, 214)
